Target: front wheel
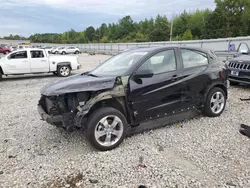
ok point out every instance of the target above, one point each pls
(63, 53)
(215, 102)
(106, 128)
(77, 52)
(64, 70)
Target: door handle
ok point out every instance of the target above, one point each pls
(174, 77)
(43, 60)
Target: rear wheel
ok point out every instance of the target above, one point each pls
(106, 128)
(215, 102)
(77, 52)
(64, 70)
(63, 53)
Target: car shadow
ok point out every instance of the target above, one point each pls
(167, 121)
(30, 77)
(18, 77)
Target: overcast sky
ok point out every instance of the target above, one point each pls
(27, 17)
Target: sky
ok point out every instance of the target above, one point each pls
(26, 17)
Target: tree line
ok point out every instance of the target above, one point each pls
(230, 18)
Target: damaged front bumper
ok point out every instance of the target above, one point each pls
(54, 120)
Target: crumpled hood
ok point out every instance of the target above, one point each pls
(78, 83)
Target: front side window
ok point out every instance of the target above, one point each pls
(18, 55)
(161, 62)
(36, 54)
(192, 58)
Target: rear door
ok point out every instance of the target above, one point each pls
(18, 63)
(162, 93)
(39, 61)
(194, 63)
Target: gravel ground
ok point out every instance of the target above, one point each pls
(201, 152)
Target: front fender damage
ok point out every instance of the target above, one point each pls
(119, 90)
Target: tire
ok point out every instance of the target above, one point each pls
(6, 52)
(93, 124)
(216, 97)
(64, 70)
(1, 76)
(63, 53)
(232, 83)
(77, 52)
(56, 52)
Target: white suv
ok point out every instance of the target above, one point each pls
(69, 50)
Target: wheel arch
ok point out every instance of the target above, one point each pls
(219, 85)
(117, 103)
(65, 64)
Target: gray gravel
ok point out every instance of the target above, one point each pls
(202, 152)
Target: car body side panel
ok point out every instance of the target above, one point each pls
(196, 80)
(156, 96)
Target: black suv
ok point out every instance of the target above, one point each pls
(133, 87)
(239, 66)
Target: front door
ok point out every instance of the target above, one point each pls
(18, 63)
(160, 94)
(39, 62)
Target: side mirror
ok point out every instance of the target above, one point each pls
(146, 73)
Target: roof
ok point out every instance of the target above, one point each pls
(156, 48)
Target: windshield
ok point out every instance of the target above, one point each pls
(119, 64)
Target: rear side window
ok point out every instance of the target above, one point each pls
(36, 54)
(192, 58)
(19, 55)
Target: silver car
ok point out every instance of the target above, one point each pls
(69, 50)
(56, 50)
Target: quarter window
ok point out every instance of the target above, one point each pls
(193, 58)
(36, 54)
(19, 55)
(161, 62)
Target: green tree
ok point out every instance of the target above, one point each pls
(90, 33)
(187, 35)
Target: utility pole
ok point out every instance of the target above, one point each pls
(171, 30)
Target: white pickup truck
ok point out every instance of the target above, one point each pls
(35, 61)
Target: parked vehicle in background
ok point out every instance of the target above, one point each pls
(35, 61)
(133, 87)
(48, 49)
(5, 50)
(56, 50)
(239, 66)
(69, 50)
